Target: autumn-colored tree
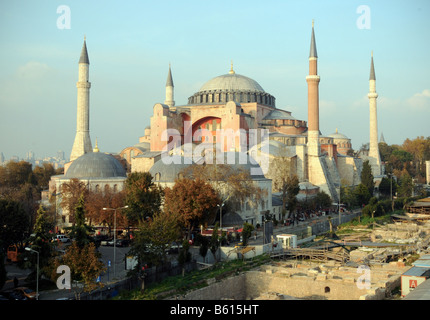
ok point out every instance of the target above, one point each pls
(95, 203)
(280, 170)
(43, 174)
(85, 266)
(195, 202)
(143, 197)
(71, 192)
(233, 184)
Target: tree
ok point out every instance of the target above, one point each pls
(367, 177)
(143, 197)
(95, 203)
(155, 236)
(322, 200)
(71, 192)
(41, 242)
(281, 170)
(233, 184)
(14, 223)
(405, 188)
(85, 266)
(43, 174)
(195, 202)
(362, 195)
(214, 242)
(293, 189)
(246, 232)
(80, 230)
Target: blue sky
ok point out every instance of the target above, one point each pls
(131, 44)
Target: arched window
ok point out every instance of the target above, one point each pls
(157, 176)
(115, 188)
(327, 290)
(97, 188)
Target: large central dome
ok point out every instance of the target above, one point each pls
(231, 87)
(231, 82)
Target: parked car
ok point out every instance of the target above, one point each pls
(26, 292)
(61, 238)
(14, 295)
(99, 239)
(122, 243)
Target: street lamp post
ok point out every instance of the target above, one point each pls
(37, 271)
(114, 236)
(220, 215)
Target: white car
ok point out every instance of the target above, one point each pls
(62, 238)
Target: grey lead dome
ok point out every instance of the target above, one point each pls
(95, 165)
(231, 82)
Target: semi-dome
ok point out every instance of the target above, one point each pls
(95, 165)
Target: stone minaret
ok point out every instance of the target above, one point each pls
(169, 90)
(313, 100)
(82, 142)
(375, 159)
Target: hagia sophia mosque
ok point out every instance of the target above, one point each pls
(252, 129)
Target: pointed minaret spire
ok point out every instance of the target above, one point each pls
(84, 53)
(169, 82)
(313, 50)
(169, 89)
(372, 69)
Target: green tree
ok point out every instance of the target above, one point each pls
(155, 236)
(367, 178)
(293, 189)
(14, 223)
(246, 232)
(143, 197)
(405, 188)
(322, 200)
(214, 242)
(362, 194)
(80, 231)
(41, 242)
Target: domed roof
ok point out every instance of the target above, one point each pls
(95, 165)
(170, 167)
(338, 135)
(231, 82)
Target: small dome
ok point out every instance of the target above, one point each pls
(95, 165)
(167, 170)
(231, 82)
(338, 135)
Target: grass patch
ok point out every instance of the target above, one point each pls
(191, 281)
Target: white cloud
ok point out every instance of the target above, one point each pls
(420, 100)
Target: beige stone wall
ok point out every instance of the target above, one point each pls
(311, 282)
